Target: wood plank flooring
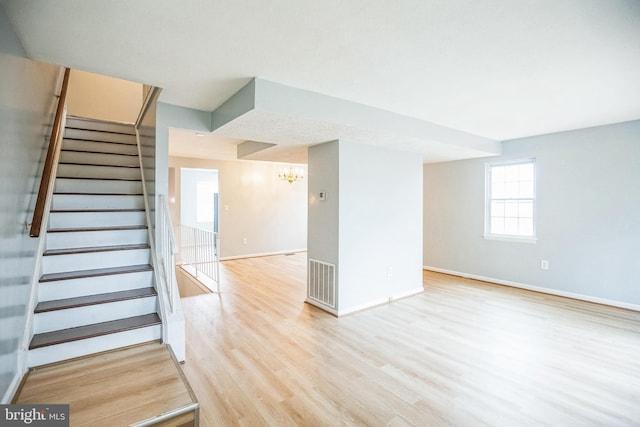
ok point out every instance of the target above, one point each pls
(116, 388)
(463, 353)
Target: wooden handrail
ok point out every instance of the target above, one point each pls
(38, 212)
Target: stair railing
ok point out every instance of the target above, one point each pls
(199, 250)
(167, 248)
(173, 325)
(51, 161)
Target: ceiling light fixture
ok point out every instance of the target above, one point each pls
(290, 174)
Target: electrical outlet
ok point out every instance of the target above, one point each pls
(389, 271)
(544, 264)
(244, 240)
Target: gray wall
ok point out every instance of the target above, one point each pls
(588, 215)
(371, 222)
(167, 116)
(271, 214)
(380, 224)
(323, 218)
(26, 112)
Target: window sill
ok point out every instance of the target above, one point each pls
(515, 239)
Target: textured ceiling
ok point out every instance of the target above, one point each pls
(496, 68)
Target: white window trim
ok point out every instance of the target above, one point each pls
(487, 202)
(510, 238)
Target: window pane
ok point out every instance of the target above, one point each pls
(497, 173)
(511, 209)
(511, 225)
(511, 190)
(525, 209)
(511, 172)
(497, 190)
(525, 227)
(525, 189)
(497, 225)
(497, 208)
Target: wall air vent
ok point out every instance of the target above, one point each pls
(321, 286)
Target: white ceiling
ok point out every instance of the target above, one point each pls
(500, 69)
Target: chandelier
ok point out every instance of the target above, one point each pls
(290, 174)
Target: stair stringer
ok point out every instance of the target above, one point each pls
(173, 323)
(23, 351)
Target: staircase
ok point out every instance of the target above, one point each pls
(96, 291)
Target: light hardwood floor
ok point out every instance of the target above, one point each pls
(115, 388)
(463, 353)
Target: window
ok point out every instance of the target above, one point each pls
(510, 211)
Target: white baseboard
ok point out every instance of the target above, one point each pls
(379, 302)
(12, 389)
(540, 289)
(322, 307)
(261, 254)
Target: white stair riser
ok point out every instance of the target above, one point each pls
(100, 147)
(61, 289)
(95, 219)
(65, 185)
(86, 201)
(82, 123)
(91, 135)
(98, 159)
(80, 316)
(94, 260)
(103, 172)
(69, 350)
(83, 239)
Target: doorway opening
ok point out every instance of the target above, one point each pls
(200, 224)
(199, 196)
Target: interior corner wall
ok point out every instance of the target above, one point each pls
(104, 98)
(588, 216)
(253, 204)
(27, 105)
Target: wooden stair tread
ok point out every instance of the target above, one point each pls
(75, 138)
(99, 179)
(98, 152)
(85, 193)
(100, 132)
(93, 210)
(99, 165)
(93, 249)
(63, 304)
(94, 330)
(113, 228)
(81, 274)
(75, 150)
